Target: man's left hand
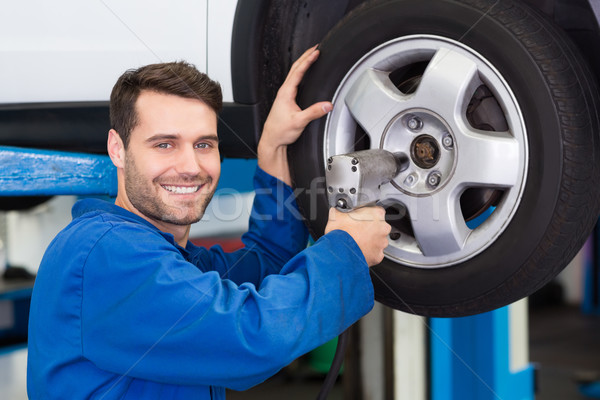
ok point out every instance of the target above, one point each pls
(287, 120)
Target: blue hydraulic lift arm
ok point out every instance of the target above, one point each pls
(34, 172)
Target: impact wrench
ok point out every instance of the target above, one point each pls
(354, 180)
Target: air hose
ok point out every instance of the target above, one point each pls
(336, 365)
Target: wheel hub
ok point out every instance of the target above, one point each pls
(425, 151)
(427, 138)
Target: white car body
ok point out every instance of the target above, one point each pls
(70, 50)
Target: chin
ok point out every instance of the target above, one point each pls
(184, 220)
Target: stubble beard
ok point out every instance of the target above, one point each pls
(147, 201)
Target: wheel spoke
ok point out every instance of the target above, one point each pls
(448, 84)
(438, 224)
(488, 159)
(373, 100)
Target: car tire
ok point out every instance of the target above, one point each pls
(518, 191)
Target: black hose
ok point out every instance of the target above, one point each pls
(336, 364)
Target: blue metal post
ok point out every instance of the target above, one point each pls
(591, 294)
(470, 360)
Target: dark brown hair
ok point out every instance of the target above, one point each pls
(177, 78)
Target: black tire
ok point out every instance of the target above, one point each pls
(541, 219)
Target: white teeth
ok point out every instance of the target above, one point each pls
(182, 189)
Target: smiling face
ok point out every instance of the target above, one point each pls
(171, 167)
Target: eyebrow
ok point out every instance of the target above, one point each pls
(172, 136)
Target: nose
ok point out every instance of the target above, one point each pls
(187, 162)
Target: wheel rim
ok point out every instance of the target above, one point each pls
(452, 112)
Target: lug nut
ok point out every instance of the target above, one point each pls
(434, 179)
(395, 235)
(447, 141)
(410, 180)
(354, 161)
(414, 123)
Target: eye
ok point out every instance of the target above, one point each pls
(203, 145)
(163, 145)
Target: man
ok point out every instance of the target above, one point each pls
(125, 307)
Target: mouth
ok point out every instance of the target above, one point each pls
(181, 189)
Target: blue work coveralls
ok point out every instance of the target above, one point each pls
(120, 311)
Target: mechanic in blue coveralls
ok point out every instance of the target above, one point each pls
(125, 307)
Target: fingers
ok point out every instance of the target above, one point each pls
(304, 62)
(374, 213)
(368, 228)
(297, 71)
(368, 214)
(286, 120)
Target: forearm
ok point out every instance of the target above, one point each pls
(273, 160)
(276, 228)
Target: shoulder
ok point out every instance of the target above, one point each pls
(98, 228)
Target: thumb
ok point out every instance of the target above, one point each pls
(316, 111)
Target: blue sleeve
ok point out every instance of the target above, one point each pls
(160, 318)
(276, 234)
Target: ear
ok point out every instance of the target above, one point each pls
(116, 149)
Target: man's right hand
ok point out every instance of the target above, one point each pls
(367, 227)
